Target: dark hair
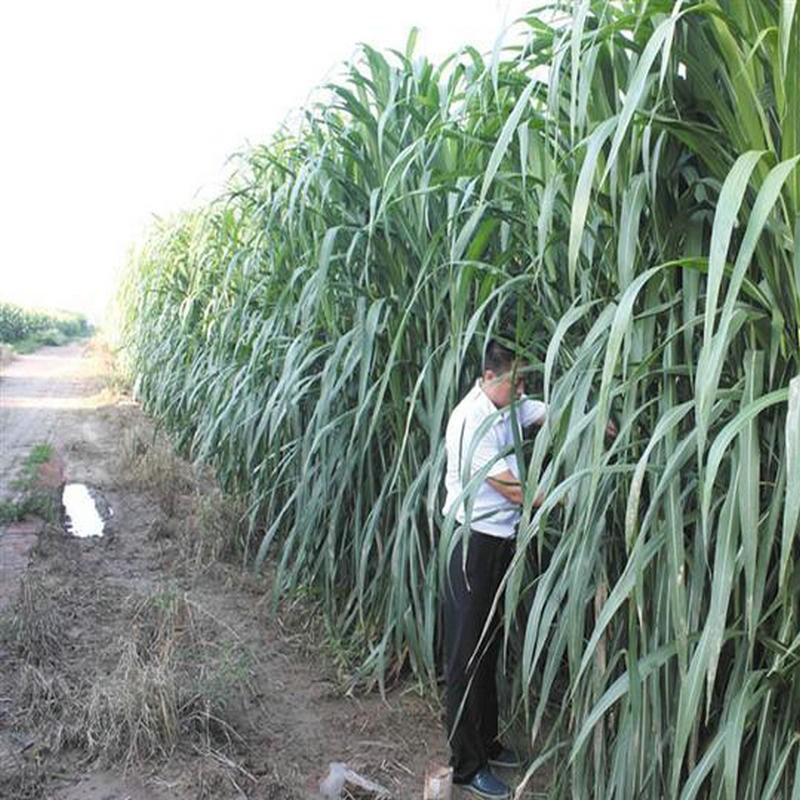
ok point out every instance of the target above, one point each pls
(498, 358)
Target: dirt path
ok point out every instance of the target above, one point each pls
(141, 664)
(37, 393)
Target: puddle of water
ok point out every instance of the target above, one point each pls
(81, 517)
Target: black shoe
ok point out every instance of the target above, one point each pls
(484, 784)
(507, 759)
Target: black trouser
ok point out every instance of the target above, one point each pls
(468, 598)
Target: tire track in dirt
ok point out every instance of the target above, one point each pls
(39, 395)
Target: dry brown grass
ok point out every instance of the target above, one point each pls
(132, 715)
(208, 526)
(21, 778)
(111, 370)
(148, 463)
(178, 675)
(216, 776)
(175, 677)
(36, 626)
(52, 707)
(46, 701)
(214, 530)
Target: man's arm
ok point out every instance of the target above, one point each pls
(532, 412)
(510, 487)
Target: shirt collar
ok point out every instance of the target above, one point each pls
(485, 404)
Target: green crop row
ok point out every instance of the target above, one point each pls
(18, 323)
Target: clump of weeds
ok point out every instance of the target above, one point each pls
(178, 675)
(21, 778)
(46, 701)
(51, 707)
(36, 628)
(33, 503)
(215, 530)
(39, 454)
(150, 463)
(31, 500)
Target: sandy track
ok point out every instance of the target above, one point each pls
(42, 396)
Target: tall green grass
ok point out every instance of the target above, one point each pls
(619, 194)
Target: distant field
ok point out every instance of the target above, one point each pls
(26, 329)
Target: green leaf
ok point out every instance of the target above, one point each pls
(791, 508)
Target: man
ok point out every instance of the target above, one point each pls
(480, 438)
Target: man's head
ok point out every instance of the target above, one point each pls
(503, 378)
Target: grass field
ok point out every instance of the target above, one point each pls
(618, 194)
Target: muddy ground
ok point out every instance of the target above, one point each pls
(147, 663)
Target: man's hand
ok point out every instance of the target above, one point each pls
(511, 488)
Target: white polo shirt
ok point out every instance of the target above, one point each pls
(482, 434)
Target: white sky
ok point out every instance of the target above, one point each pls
(118, 110)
